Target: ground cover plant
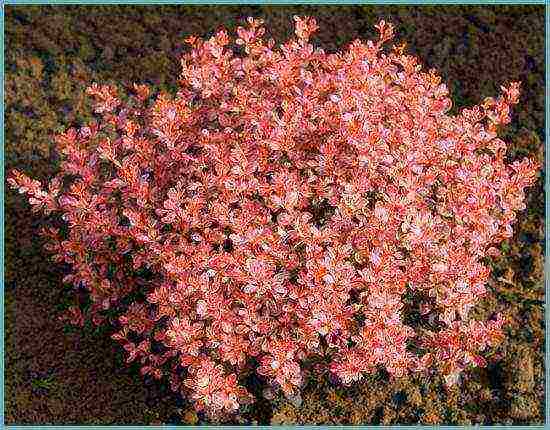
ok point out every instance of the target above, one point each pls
(278, 210)
(329, 209)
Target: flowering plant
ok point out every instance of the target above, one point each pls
(283, 205)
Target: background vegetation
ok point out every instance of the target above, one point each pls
(56, 376)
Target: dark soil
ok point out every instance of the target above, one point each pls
(56, 376)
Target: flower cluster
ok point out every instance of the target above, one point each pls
(285, 204)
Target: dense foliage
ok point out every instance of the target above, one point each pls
(285, 205)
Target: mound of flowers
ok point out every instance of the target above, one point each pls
(286, 204)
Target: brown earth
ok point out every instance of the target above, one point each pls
(57, 376)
